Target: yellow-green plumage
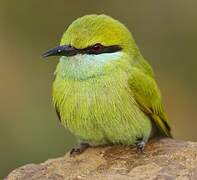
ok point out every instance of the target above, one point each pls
(110, 97)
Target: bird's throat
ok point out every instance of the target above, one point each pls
(87, 66)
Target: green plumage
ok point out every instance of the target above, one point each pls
(110, 97)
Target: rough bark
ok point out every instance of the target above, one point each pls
(162, 159)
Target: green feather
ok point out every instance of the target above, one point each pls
(108, 97)
(147, 94)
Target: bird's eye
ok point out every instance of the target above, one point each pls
(97, 48)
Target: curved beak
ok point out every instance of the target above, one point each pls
(64, 50)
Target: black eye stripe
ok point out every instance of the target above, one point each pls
(105, 49)
(68, 50)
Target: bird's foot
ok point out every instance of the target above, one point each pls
(79, 150)
(140, 146)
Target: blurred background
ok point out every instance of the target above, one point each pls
(165, 31)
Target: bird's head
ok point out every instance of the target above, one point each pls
(92, 42)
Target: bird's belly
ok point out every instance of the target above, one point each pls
(101, 114)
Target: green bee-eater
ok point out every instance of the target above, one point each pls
(104, 90)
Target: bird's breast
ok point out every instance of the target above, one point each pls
(98, 106)
(91, 95)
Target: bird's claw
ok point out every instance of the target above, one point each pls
(79, 150)
(140, 146)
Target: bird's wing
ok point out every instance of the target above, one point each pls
(148, 96)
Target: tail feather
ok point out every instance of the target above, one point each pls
(162, 126)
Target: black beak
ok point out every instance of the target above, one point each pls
(64, 50)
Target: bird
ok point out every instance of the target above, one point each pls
(104, 91)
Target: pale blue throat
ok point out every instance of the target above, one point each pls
(83, 66)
